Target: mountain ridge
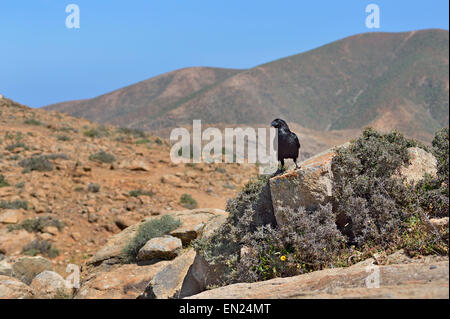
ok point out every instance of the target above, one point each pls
(387, 80)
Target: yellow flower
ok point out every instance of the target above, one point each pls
(283, 258)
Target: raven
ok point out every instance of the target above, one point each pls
(288, 144)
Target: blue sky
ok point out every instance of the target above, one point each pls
(123, 42)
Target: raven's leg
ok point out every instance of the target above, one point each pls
(295, 161)
(282, 164)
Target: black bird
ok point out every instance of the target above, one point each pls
(288, 144)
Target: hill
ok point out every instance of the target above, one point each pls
(387, 80)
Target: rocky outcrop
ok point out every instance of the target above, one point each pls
(311, 185)
(26, 268)
(50, 285)
(412, 279)
(11, 288)
(105, 276)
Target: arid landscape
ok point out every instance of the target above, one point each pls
(90, 182)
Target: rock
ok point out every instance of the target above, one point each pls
(308, 186)
(50, 285)
(421, 163)
(172, 180)
(414, 280)
(118, 282)
(10, 216)
(52, 230)
(12, 242)
(166, 247)
(11, 288)
(135, 165)
(123, 222)
(7, 191)
(440, 223)
(26, 268)
(5, 268)
(169, 282)
(194, 222)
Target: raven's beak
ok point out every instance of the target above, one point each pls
(273, 124)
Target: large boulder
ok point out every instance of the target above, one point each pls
(410, 280)
(170, 282)
(421, 163)
(5, 268)
(166, 247)
(50, 285)
(26, 268)
(12, 242)
(11, 288)
(309, 186)
(119, 281)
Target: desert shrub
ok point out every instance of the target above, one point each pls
(57, 156)
(37, 225)
(3, 181)
(137, 133)
(93, 133)
(32, 122)
(307, 242)
(93, 188)
(36, 163)
(13, 147)
(17, 204)
(441, 152)
(187, 201)
(103, 157)
(140, 192)
(370, 203)
(158, 141)
(148, 230)
(42, 247)
(63, 138)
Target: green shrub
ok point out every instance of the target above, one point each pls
(37, 225)
(93, 187)
(137, 133)
(32, 122)
(103, 157)
(17, 204)
(63, 138)
(188, 201)
(148, 230)
(42, 247)
(3, 181)
(140, 192)
(12, 147)
(93, 133)
(36, 163)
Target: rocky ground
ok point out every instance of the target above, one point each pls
(89, 212)
(85, 216)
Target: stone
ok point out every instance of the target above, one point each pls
(166, 247)
(421, 163)
(12, 242)
(135, 165)
(309, 186)
(50, 285)
(413, 280)
(26, 268)
(168, 283)
(5, 268)
(119, 281)
(11, 288)
(10, 216)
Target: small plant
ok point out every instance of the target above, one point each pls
(13, 147)
(93, 188)
(103, 157)
(42, 247)
(140, 192)
(188, 201)
(148, 230)
(137, 133)
(32, 122)
(37, 225)
(63, 138)
(36, 163)
(3, 181)
(92, 133)
(17, 204)
(158, 141)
